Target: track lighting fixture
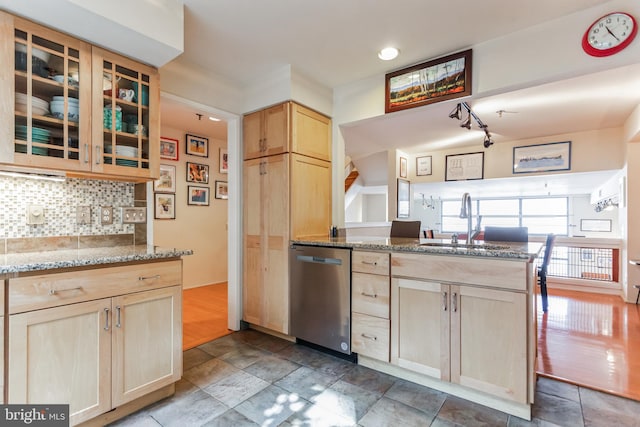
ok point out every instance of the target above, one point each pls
(466, 123)
(455, 114)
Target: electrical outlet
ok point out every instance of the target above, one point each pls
(35, 215)
(83, 215)
(106, 215)
(134, 215)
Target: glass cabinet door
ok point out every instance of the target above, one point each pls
(127, 102)
(52, 99)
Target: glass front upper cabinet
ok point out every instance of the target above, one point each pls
(52, 99)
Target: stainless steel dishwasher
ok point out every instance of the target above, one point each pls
(320, 296)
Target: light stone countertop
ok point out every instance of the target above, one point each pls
(11, 264)
(509, 250)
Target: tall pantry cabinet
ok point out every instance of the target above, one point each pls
(287, 195)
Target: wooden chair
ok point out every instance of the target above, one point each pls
(542, 270)
(506, 234)
(405, 229)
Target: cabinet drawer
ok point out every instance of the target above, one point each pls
(483, 271)
(370, 294)
(370, 262)
(370, 336)
(54, 289)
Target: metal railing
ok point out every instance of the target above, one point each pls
(589, 263)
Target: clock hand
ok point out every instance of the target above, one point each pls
(613, 35)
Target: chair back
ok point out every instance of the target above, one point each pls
(405, 229)
(548, 248)
(506, 234)
(427, 234)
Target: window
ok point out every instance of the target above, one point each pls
(542, 215)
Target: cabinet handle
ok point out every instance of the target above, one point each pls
(370, 263)
(118, 316)
(444, 301)
(106, 319)
(86, 153)
(98, 155)
(157, 276)
(369, 337)
(364, 294)
(56, 291)
(454, 301)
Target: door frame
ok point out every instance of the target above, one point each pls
(234, 207)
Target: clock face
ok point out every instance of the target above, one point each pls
(609, 34)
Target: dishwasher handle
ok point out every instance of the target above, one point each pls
(319, 260)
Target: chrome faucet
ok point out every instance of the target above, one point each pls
(465, 212)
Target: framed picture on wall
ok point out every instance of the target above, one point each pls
(197, 146)
(224, 163)
(166, 183)
(222, 190)
(423, 166)
(198, 173)
(198, 196)
(164, 206)
(462, 167)
(555, 156)
(403, 167)
(168, 148)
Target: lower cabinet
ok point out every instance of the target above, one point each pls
(472, 336)
(100, 354)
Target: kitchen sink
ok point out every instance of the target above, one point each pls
(465, 246)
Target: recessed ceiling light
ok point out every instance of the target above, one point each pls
(214, 119)
(388, 53)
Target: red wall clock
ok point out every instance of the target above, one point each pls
(609, 34)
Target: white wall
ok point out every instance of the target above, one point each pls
(200, 228)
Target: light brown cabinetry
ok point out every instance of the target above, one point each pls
(287, 127)
(286, 196)
(370, 292)
(53, 106)
(470, 335)
(69, 344)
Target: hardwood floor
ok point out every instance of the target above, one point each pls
(592, 340)
(204, 314)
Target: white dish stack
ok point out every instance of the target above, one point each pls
(39, 106)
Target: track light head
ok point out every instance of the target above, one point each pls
(455, 113)
(487, 141)
(466, 123)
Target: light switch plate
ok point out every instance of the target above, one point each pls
(132, 215)
(35, 214)
(106, 215)
(83, 215)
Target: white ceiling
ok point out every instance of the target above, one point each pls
(335, 42)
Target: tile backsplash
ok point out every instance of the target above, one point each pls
(60, 200)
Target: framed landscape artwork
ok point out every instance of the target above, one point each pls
(198, 196)
(438, 80)
(555, 156)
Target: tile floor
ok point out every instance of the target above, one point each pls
(253, 379)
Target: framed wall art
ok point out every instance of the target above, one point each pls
(403, 198)
(222, 190)
(555, 156)
(198, 173)
(437, 80)
(197, 145)
(423, 166)
(166, 183)
(224, 163)
(168, 148)
(462, 167)
(164, 206)
(198, 196)
(403, 167)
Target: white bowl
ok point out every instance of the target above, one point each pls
(61, 99)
